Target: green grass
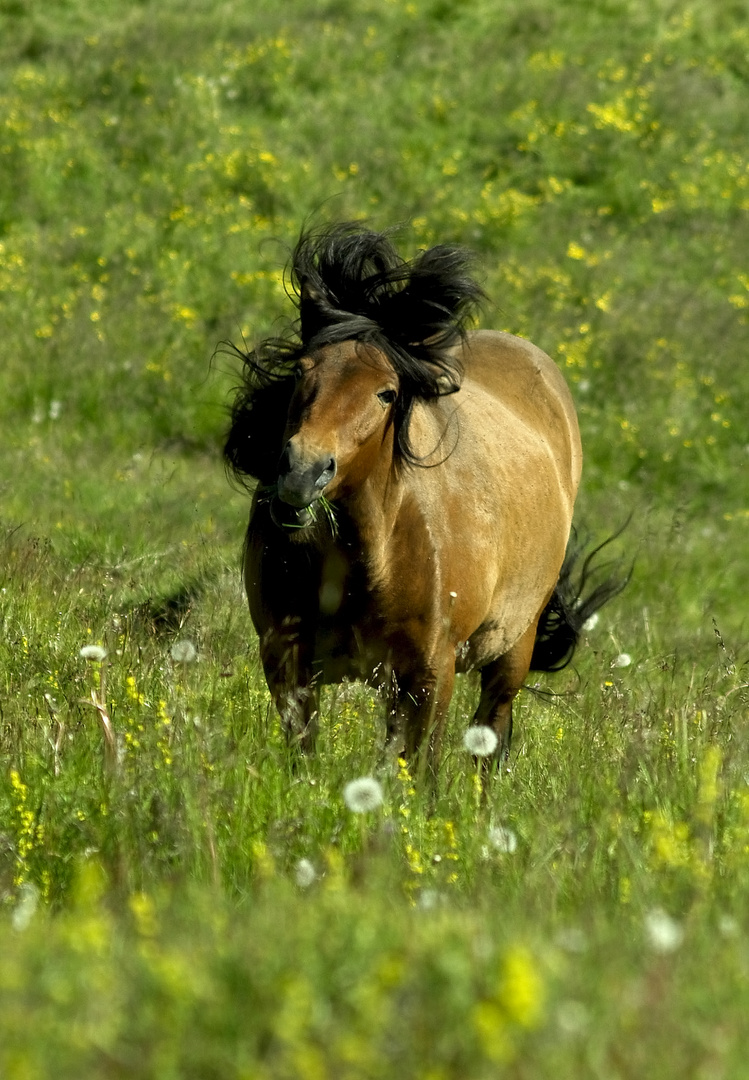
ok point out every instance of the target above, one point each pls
(192, 904)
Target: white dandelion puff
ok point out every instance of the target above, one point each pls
(622, 660)
(592, 621)
(572, 939)
(25, 909)
(480, 740)
(728, 926)
(363, 795)
(429, 899)
(573, 1017)
(92, 652)
(664, 934)
(304, 873)
(503, 839)
(183, 652)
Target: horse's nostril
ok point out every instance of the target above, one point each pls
(284, 462)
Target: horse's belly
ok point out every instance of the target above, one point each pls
(486, 644)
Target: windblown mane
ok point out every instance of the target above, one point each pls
(350, 284)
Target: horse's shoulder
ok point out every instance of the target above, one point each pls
(514, 371)
(509, 374)
(494, 356)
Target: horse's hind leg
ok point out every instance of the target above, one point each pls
(500, 681)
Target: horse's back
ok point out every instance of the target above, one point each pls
(525, 381)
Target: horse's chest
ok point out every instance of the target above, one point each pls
(348, 626)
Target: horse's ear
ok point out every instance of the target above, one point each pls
(311, 310)
(449, 383)
(309, 294)
(442, 378)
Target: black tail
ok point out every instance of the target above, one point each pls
(570, 606)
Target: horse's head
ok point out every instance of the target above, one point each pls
(375, 335)
(339, 424)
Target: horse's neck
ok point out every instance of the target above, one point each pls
(371, 513)
(387, 503)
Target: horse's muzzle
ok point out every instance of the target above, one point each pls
(302, 477)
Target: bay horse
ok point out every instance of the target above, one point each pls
(414, 497)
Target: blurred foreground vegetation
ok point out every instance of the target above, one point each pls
(177, 900)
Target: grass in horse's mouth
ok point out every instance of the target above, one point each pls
(269, 492)
(329, 512)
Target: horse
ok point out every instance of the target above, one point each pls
(414, 490)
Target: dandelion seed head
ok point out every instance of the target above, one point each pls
(573, 1017)
(183, 652)
(622, 660)
(429, 899)
(93, 652)
(664, 934)
(503, 839)
(591, 622)
(480, 740)
(304, 873)
(572, 939)
(363, 795)
(25, 909)
(728, 927)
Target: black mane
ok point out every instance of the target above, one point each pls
(350, 284)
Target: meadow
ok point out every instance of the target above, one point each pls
(177, 900)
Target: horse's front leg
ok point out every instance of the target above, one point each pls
(418, 711)
(299, 708)
(293, 688)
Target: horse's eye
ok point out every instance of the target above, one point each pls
(387, 397)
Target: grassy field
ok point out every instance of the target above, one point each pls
(176, 901)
